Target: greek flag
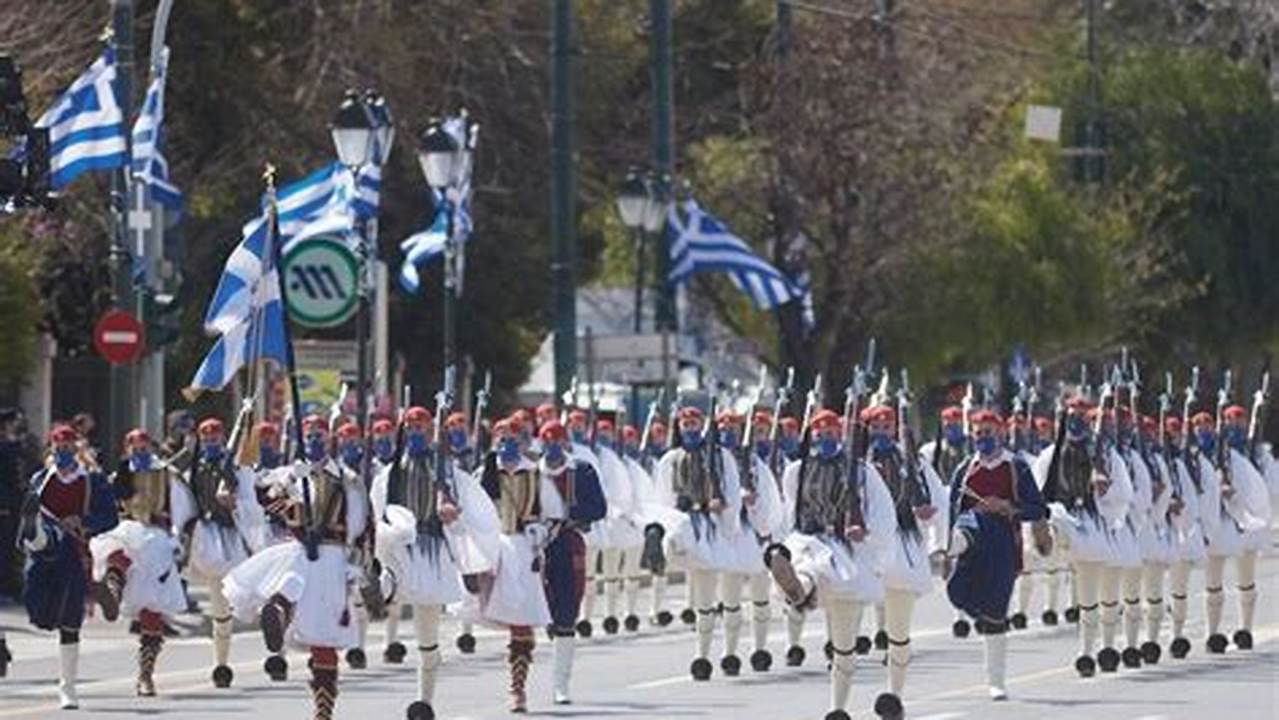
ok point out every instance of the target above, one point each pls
(423, 247)
(149, 166)
(259, 332)
(86, 125)
(700, 242)
(328, 201)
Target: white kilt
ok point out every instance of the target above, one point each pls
(152, 581)
(908, 567)
(215, 549)
(1158, 544)
(1083, 538)
(516, 596)
(840, 573)
(318, 590)
(709, 548)
(745, 552)
(1229, 540)
(415, 574)
(1127, 550)
(1257, 540)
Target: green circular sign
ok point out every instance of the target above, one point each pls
(321, 277)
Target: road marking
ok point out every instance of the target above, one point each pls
(676, 680)
(943, 716)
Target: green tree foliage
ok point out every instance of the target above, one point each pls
(17, 301)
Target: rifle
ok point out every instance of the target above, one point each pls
(746, 451)
(569, 400)
(1100, 454)
(813, 401)
(1223, 453)
(920, 495)
(1256, 420)
(966, 409)
(853, 449)
(781, 400)
(1191, 397)
(1165, 405)
(443, 451)
(1053, 490)
(481, 404)
(649, 419)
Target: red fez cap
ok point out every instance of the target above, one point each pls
(552, 431)
(603, 425)
(1235, 412)
(1172, 424)
(314, 422)
(762, 417)
(505, 426)
(348, 431)
(658, 429)
(1149, 424)
(1079, 404)
(577, 416)
(456, 418)
(1043, 423)
(137, 435)
(62, 434)
(267, 429)
(545, 409)
(1018, 420)
(878, 413)
(689, 413)
(952, 413)
(417, 414)
(982, 417)
(823, 419)
(630, 432)
(383, 427)
(728, 417)
(1201, 418)
(789, 423)
(210, 426)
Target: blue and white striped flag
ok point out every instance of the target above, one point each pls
(328, 201)
(149, 166)
(700, 242)
(259, 333)
(423, 247)
(86, 125)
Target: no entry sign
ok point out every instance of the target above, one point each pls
(118, 337)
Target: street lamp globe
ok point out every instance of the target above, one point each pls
(654, 208)
(353, 131)
(384, 133)
(439, 155)
(632, 200)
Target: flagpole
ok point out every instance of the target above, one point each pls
(122, 398)
(290, 367)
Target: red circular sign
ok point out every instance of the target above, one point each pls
(118, 337)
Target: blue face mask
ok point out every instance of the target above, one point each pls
(763, 449)
(789, 445)
(692, 439)
(656, 448)
(212, 451)
(554, 454)
(64, 459)
(728, 439)
(415, 443)
(141, 459)
(383, 448)
(315, 447)
(1236, 437)
(1076, 427)
(986, 445)
(881, 443)
(508, 450)
(579, 435)
(954, 435)
(457, 438)
(351, 454)
(1207, 441)
(268, 457)
(827, 447)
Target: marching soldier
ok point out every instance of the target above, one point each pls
(434, 525)
(1256, 488)
(300, 590)
(216, 512)
(842, 519)
(991, 494)
(136, 560)
(699, 479)
(350, 446)
(1087, 490)
(71, 502)
(383, 433)
(917, 495)
(953, 443)
(1189, 472)
(624, 528)
(541, 508)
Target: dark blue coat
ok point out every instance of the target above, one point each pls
(564, 576)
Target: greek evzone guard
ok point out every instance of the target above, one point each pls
(991, 494)
(762, 518)
(918, 543)
(1237, 516)
(599, 537)
(699, 480)
(1039, 568)
(70, 503)
(300, 590)
(788, 443)
(435, 526)
(653, 558)
(649, 560)
(540, 573)
(384, 447)
(624, 526)
(955, 449)
(272, 481)
(843, 527)
(1186, 489)
(137, 559)
(216, 511)
(1088, 491)
(348, 450)
(1158, 541)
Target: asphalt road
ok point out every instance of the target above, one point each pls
(645, 676)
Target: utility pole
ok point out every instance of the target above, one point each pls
(664, 171)
(563, 192)
(1092, 163)
(122, 398)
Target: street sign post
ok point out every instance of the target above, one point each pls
(322, 275)
(118, 337)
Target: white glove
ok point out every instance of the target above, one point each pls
(301, 469)
(536, 534)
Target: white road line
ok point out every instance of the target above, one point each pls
(943, 716)
(676, 680)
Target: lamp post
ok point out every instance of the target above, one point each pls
(643, 213)
(362, 135)
(445, 154)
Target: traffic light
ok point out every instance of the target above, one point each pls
(161, 316)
